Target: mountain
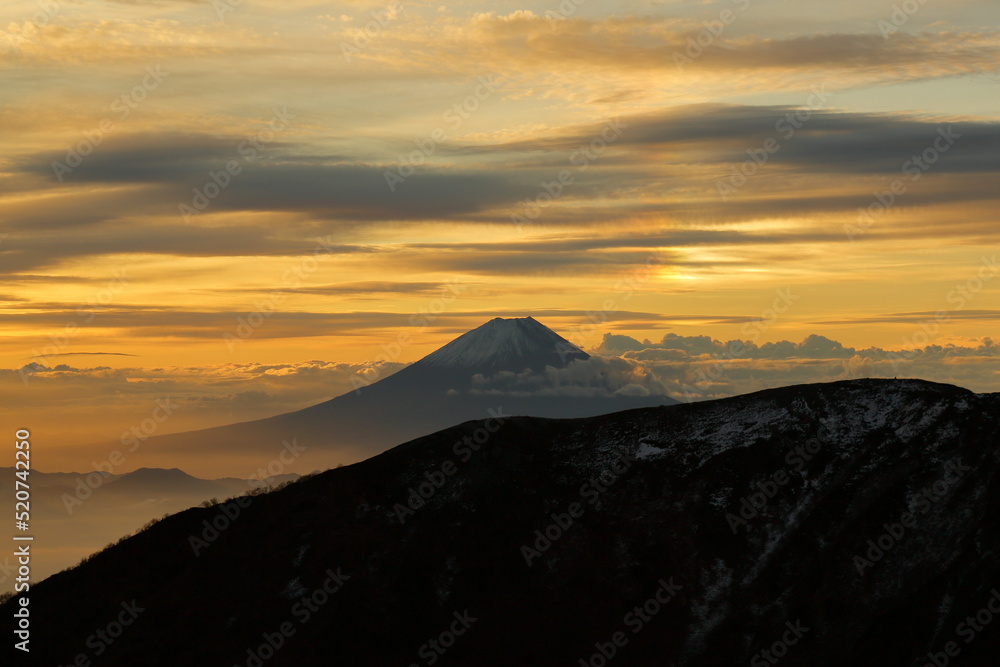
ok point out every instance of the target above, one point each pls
(75, 514)
(510, 345)
(849, 523)
(154, 483)
(143, 483)
(160, 483)
(446, 387)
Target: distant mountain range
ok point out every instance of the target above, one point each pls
(437, 391)
(851, 523)
(75, 514)
(139, 486)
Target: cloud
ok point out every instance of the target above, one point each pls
(617, 52)
(82, 42)
(827, 140)
(813, 346)
(366, 289)
(277, 177)
(125, 197)
(918, 317)
(38, 249)
(140, 321)
(700, 367)
(592, 377)
(99, 403)
(78, 354)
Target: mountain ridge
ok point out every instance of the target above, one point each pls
(665, 480)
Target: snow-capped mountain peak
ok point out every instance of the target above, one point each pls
(511, 344)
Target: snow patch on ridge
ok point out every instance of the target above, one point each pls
(648, 451)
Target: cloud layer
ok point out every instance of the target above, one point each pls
(699, 367)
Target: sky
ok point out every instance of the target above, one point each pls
(243, 204)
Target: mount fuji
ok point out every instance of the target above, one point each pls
(504, 345)
(472, 377)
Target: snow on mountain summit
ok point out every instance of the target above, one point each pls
(505, 345)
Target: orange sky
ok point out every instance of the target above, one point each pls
(187, 185)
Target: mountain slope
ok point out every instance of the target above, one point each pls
(503, 345)
(698, 534)
(75, 514)
(431, 394)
